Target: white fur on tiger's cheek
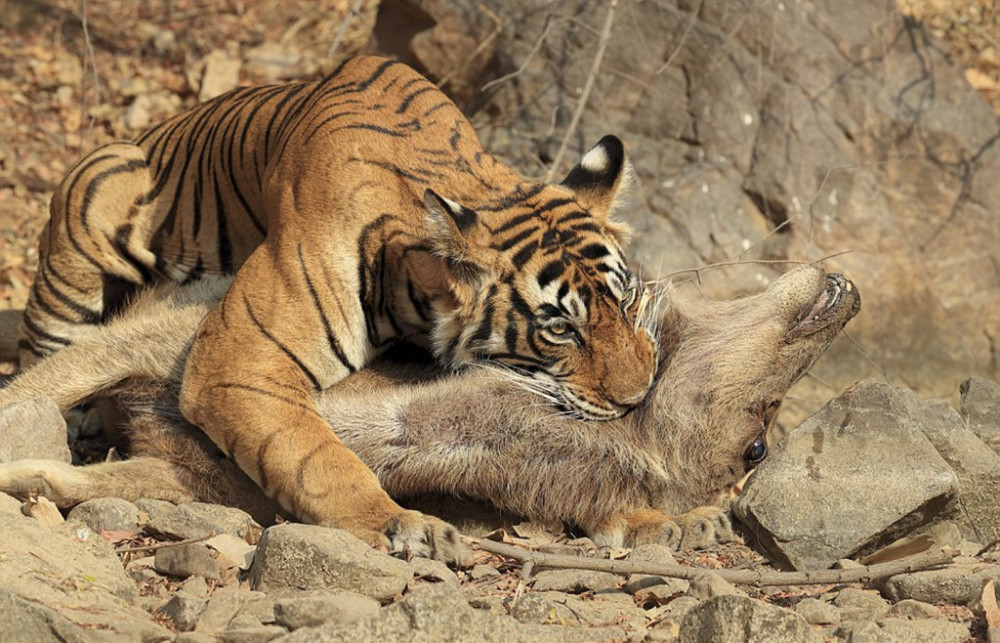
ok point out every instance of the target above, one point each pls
(596, 160)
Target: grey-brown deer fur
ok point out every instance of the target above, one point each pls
(724, 369)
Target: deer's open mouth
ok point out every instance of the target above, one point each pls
(838, 302)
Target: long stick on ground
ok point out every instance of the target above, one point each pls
(755, 577)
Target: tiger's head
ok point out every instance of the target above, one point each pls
(542, 286)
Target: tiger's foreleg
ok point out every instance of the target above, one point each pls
(95, 240)
(250, 384)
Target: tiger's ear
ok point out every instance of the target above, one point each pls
(458, 236)
(600, 179)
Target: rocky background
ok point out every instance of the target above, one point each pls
(763, 133)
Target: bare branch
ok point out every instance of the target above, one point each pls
(602, 44)
(754, 577)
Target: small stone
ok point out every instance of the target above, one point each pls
(193, 559)
(860, 605)
(258, 634)
(708, 584)
(196, 586)
(200, 520)
(433, 570)
(194, 637)
(959, 583)
(479, 572)
(311, 557)
(724, 619)
(153, 508)
(310, 611)
(847, 563)
(107, 514)
(540, 608)
(221, 73)
(817, 612)
(911, 609)
(46, 439)
(896, 630)
(574, 581)
(222, 607)
(183, 609)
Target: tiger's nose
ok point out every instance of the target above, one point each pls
(632, 401)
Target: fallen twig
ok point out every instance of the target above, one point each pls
(175, 543)
(755, 577)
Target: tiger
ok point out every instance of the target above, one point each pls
(655, 475)
(353, 212)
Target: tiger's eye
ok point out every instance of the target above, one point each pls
(629, 297)
(558, 327)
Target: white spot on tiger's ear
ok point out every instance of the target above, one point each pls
(596, 160)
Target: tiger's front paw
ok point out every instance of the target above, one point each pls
(412, 533)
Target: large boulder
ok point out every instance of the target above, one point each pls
(857, 474)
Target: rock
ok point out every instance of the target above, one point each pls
(708, 584)
(200, 520)
(311, 557)
(222, 607)
(9, 504)
(738, 618)
(47, 574)
(817, 612)
(860, 605)
(433, 570)
(438, 612)
(958, 583)
(574, 581)
(977, 508)
(981, 409)
(107, 514)
(193, 559)
(911, 609)
(258, 634)
(183, 610)
(857, 474)
(479, 572)
(894, 630)
(194, 637)
(255, 611)
(310, 611)
(544, 608)
(729, 150)
(228, 520)
(151, 508)
(655, 553)
(33, 429)
(220, 74)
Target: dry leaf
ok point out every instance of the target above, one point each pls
(233, 548)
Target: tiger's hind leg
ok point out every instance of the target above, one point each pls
(96, 239)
